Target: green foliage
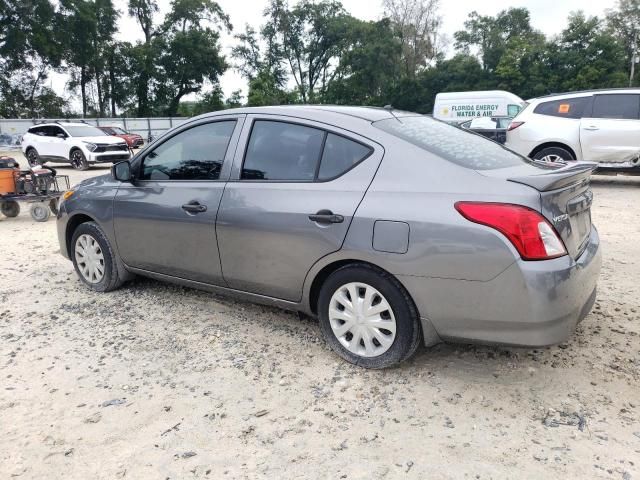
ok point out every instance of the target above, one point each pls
(311, 51)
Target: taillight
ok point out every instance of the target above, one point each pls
(514, 125)
(526, 229)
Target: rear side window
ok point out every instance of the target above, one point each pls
(37, 130)
(282, 151)
(621, 106)
(567, 108)
(339, 155)
(451, 143)
(194, 154)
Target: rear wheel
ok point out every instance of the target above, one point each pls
(10, 209)
(79, 161)
(554, 155)
(367, 317)
(93, 258)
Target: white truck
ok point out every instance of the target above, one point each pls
(458, 107)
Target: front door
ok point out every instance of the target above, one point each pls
(289, 202)
(165, 219)
(611, 134)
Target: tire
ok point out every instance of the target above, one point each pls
(33, 158)
(40, 211)
(397, 346)
(78, 160)
(94, 239)
(554, 154)
(53, 206)
(10, 209)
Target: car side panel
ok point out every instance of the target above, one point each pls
(540, 129)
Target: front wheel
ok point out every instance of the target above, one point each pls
(79, 161)
(93, 258)
(367, 317)
(33, 158)
(10, 208)
(554, 155)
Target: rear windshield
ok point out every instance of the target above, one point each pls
(451, 143)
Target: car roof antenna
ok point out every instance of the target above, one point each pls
(389, 108)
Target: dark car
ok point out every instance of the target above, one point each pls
(494, 128)
(392, 228)
(133, 139)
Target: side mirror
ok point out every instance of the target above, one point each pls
(121, 171)
(61, 135)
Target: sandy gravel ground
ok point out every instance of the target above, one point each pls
(158, 381)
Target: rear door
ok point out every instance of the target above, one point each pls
(610, 132)
(291, 197)
(58, 145)
(165, 219)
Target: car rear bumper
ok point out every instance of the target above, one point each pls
(529, 304)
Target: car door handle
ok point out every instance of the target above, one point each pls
(194, 207)
(590, 127)
(326, 216)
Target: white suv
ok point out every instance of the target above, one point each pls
(76, 143)
(601, 126)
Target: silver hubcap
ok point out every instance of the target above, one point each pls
(89, 258)
(362, 319)
(552, 158)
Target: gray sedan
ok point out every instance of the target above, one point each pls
(392, 228)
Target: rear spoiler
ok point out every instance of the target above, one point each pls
(558, 178)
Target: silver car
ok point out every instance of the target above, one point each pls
(392, 228)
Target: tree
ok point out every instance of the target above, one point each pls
(309, 38)
(490, 36)
(29, 48)
(143, 53)
(369, 68)
(586, 56)
(78, 21)
(417, 25)
(624, 24)
(188, 50)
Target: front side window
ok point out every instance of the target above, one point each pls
(194, 154)
(567, 108)
(282, 151)
(451, 143)
(620, 106)
(54, 131)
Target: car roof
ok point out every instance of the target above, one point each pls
(584, 93)
(368, 114)
(62, 124)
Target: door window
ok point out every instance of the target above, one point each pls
(339, 155)
(567, 108)
(282, 151)
(621, 106)
(194, 154)
(53, 131)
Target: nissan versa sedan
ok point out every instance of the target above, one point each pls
(392, 228)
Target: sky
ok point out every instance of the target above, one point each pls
(548, 16)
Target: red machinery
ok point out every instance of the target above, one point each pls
(40, 186)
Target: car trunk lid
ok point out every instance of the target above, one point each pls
(565, 197)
